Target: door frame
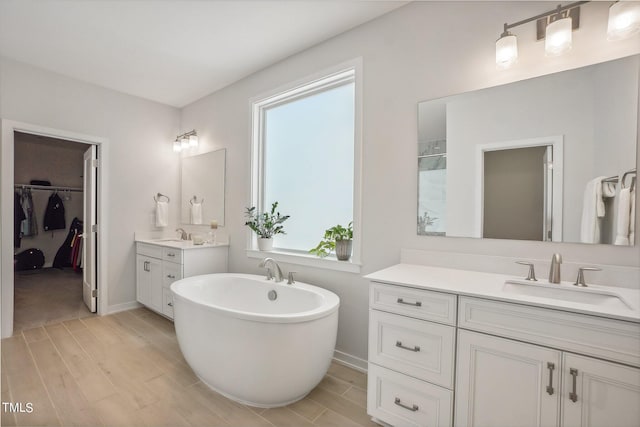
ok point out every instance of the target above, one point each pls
(557, 142)
(7, 149)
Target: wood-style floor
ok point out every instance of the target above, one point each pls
(126, 369)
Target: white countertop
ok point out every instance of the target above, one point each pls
(492, 286)
(180, 244)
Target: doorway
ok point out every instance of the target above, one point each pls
(54, 251)
(96, 278)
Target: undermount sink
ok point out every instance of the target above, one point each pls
(171, 240)
(565, 291)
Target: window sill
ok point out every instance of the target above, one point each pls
(329, 263)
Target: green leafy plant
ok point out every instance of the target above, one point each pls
(266, 224)
(331, 235)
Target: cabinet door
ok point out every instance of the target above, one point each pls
(501, 382)
(149, 281)
(598, 393)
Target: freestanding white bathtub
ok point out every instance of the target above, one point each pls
(249, 347)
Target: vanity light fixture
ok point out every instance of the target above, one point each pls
(556, 27)
(185, 141)
(624, 20)
(558, 38)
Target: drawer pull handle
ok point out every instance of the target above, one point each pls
(415, 348)
(574, 395)
(412, 408)
(551, 367)
(171, 276)
(170, 304)
(171, 254)
(146, 266)
(416, 304)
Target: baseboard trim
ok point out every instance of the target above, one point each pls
(123, 307)
(350, 361)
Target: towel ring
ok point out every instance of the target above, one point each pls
(194, 199)
(159, 196)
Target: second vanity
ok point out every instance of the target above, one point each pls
(161, 262)
(453, 347)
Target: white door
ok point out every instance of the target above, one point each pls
(89, 234)
(598, 393)
(505, 383)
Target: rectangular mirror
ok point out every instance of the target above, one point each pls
(541, 159)
(203, 187)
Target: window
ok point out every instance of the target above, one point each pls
(305, 157)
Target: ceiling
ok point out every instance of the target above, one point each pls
(171, 51)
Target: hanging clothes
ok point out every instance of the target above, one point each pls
(54, 215)
(18, 217)
(76, 252)
(64, 255)
(29, 223)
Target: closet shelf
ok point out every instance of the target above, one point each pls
(49, 187)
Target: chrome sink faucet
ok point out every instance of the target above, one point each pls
(273, 269)
(554, 271)
(183, 234)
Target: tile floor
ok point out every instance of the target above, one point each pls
(47, 296)
(126, 369)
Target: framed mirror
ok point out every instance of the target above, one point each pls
(542, 159)
(203, 188)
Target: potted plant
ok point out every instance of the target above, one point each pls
(424, 221)
(336, 238)
(266, 225)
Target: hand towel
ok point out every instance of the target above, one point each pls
(196, 213)
(162, 214)
(592, 211)
(624, 217)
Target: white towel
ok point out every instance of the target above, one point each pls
(162, 214)
(196, 213)
(624, 217)
(592, 211)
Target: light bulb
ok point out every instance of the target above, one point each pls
(558, 37)
(184, 142)
(177, 146)
(193, 140)
(506, 51)
(624, 20)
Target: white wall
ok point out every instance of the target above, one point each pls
(422, 51)
(141, 160)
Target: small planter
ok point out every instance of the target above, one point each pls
(265, 244)
(343, 249)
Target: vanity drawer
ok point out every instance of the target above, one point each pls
(609, 339)
(173, 255)
(400, 400)
(153, 251)
(170, 273)
(418, 303)
(167, 303)
(424, 350)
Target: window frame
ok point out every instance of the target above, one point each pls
(350, 71)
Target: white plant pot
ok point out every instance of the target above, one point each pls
(265, 244)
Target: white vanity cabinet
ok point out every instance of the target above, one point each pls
(439, 333)
(503, 381)
(411, 356)
(158, 266)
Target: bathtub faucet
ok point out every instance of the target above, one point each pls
(273, 269)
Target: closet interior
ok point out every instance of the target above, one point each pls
(48, 225)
